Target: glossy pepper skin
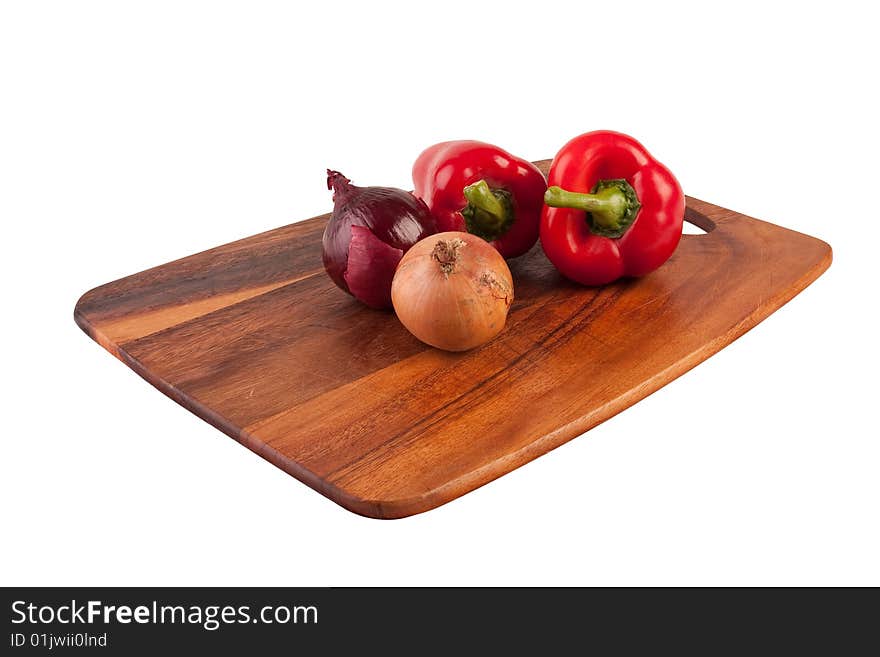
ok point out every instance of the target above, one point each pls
(611, 210)
(478, 188)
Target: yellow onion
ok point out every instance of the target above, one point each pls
(452, 291)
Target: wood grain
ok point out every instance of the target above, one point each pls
(254, 338)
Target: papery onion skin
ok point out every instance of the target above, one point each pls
(362, 262)
(453, 291)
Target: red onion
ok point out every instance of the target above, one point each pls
(368, 233)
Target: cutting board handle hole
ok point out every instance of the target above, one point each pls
(696, 223)
(692, 229)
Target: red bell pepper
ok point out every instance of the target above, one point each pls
(611, 209)
(474, 187)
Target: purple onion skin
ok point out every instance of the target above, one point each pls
(395, 220)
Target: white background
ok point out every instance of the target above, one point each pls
(134, 134)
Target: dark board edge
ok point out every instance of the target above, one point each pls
(89, 329)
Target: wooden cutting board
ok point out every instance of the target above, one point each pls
(254, 338)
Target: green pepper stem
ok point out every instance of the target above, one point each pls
(479, 196)
(612, 206)
(607, 206)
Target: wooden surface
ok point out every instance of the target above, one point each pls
(255, 338)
